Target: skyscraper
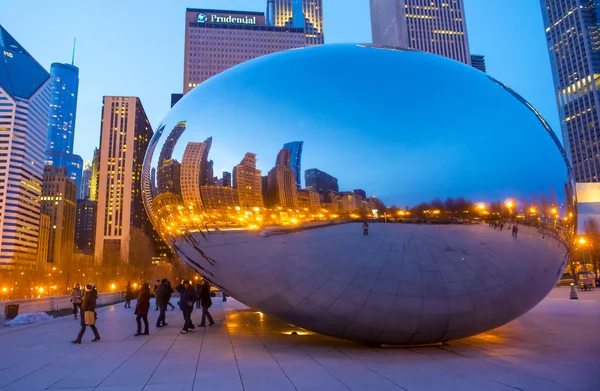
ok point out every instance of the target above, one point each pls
(86, 178)
(295, 148)
(572, 32)
(64, 82)
(59, 198)
(85, 226)
(94, 175)
(124, 138)
(306, 14)
(193, 170)
(168, 168)
(25, 103)
(246, 179)
(320, 181)
(478, 62)
(282, 182)
(433, 26)
(226, 179)
(216, 40)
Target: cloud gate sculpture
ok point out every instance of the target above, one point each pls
(262, 177)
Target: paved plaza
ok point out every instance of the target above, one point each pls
(553, 347)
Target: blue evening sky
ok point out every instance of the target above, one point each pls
(135, 47)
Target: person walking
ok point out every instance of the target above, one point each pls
(171, 290)
(141, 309)
(156, 285)
(88, 318)
(515, 230)
(162, 297)
(186, 304)
(198, 291)
(206, 304)
(76, 299)
(365, 229)
(128, 295)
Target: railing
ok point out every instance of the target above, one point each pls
(56, 303)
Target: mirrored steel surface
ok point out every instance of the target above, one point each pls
(450, 161)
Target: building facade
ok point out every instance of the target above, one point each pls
(193, 169)
(94, 175)
(219, 198)
(216, 40)
(24, 107)
(125, 135)
(320, 182)
(478, 62)
(572, 33)
(282, 182)
(43, 241)
(64, 84)
(86, 178)
(306, 14)
(361, 193)
(295, 148)
(309, 200)
(59, 198)
(246, 179)
(226, 179)
(85, 226)
(432, 26)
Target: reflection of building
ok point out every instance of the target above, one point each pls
(437, 27)
(307, 14)
(309, 200)
(216, 40)
(282, 182)
(64, 84)
(226, 179)
(25, 97)
(124, 138)
(193, 169)
(86, 177)
(85, 226)
(59, 196)
(175, 98)
(246, 179)
(296, 159)
(588, 204)
(351, 202)
(361, 193)
(573, 41)
(94, 176)
(169, 212)
(168, 168)
(219, 198)
(321, 182)
(478, 62)
(43, 241)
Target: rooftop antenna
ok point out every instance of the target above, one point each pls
(73, 56)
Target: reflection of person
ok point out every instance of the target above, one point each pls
(206, 304)
(76, 298)
(156, 285)
(141, 309)
(365, 229)
(515, 230)
(198, 291)
(88, 318)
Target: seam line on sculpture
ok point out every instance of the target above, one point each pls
(237, 364)
(163, 357)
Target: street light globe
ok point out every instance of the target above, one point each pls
(320, 128)
(582, 241)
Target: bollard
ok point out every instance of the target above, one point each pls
(573, 292)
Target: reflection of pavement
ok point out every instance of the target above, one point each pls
(553, 347)
(405, 282)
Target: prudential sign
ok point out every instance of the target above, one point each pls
(203, 18)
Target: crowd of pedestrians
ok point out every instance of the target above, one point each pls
(514, 229)
(84, 305)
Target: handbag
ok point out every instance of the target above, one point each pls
(90, 318)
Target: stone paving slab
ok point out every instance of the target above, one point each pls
(553, 347)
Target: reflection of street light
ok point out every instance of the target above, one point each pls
(135, 285)
(582, 240)
(481, 206)
(509, 204)
(112, 286)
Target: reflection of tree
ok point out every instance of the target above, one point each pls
(141, 251)
(591, 253)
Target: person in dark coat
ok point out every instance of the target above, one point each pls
(128, 295)
(198, 290)
(206, 302)
(88, 304)
(186, 303)
(156, 285)
(76, 298)
(365, 229)
(141, 309)
(163, 294)
(171, 290)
